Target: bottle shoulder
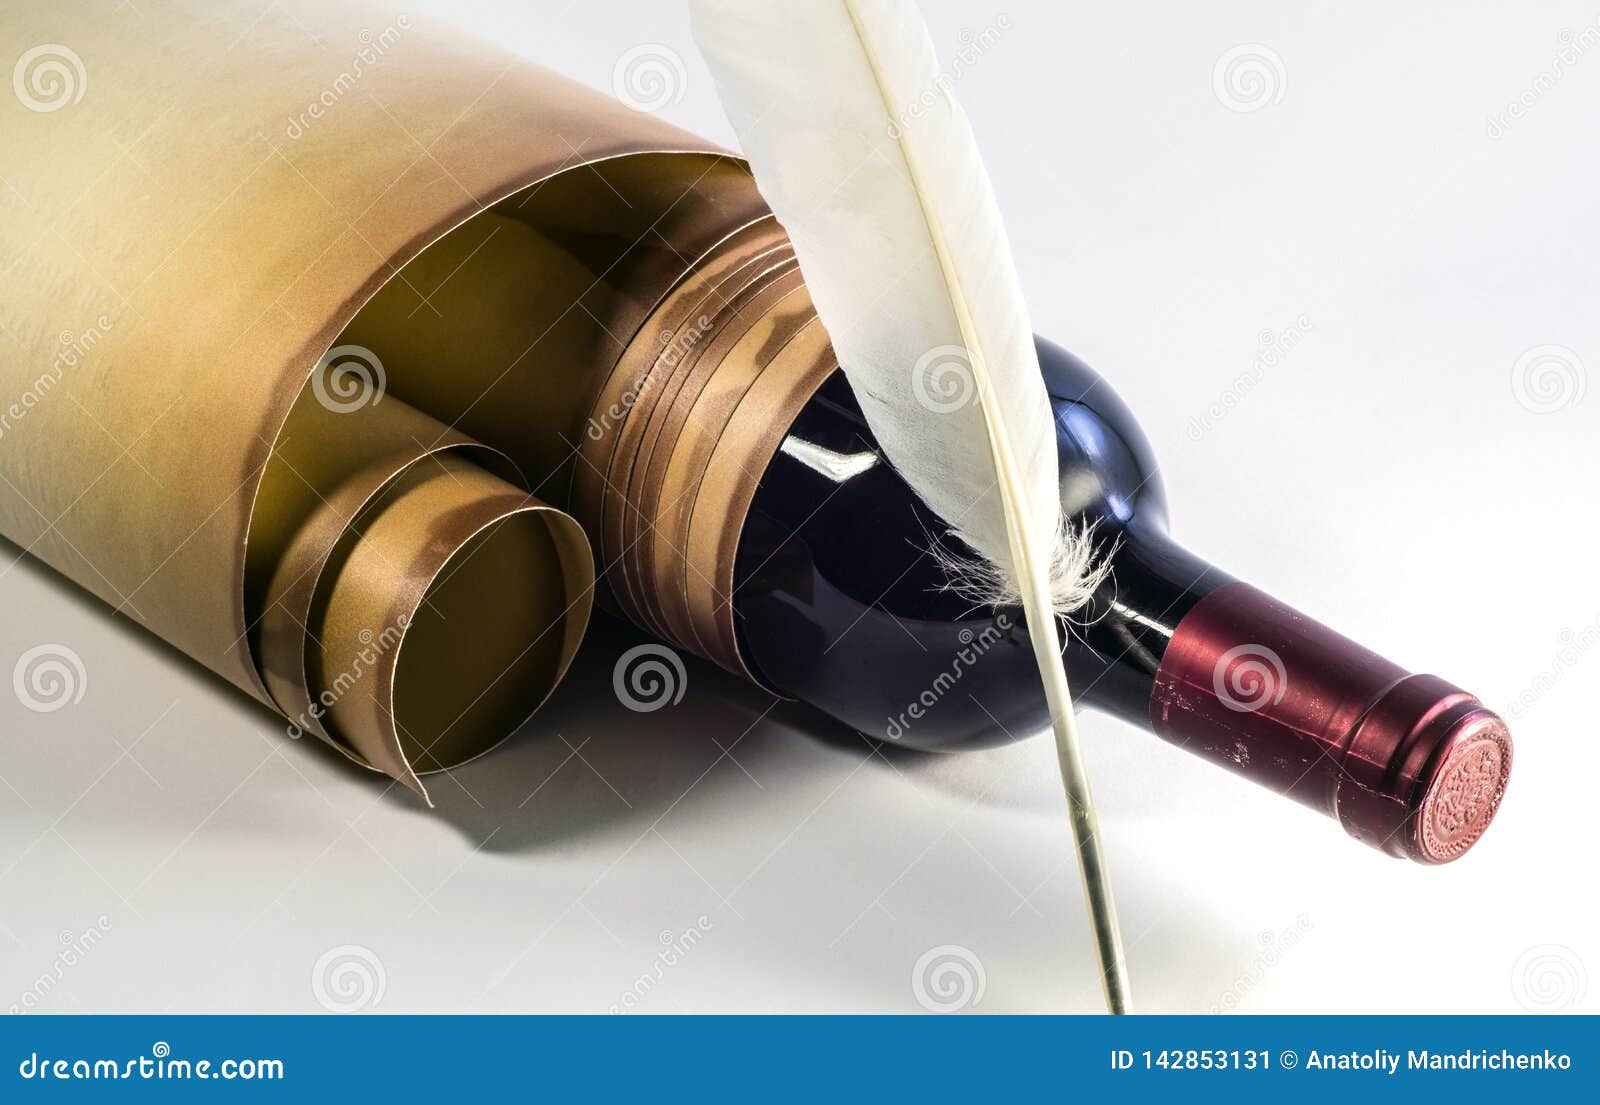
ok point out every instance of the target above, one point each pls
(1109, 473)
(1108, 469)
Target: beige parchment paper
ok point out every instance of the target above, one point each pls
(303, 306)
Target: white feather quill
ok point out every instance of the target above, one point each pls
(871, 166)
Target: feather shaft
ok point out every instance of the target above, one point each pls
(865, 217)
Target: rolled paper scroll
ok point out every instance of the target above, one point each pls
(309, 312)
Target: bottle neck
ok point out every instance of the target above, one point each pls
(1409, 764)
(1116, 644)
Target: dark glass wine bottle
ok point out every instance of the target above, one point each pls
(839, 604)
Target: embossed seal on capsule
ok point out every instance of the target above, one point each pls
(1465, 793)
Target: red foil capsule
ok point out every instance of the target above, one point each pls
(1410, 764)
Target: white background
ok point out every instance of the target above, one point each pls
(1385, 478)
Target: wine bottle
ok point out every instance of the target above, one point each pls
(840, 603)
(692, 419)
